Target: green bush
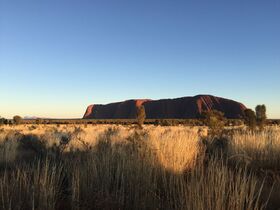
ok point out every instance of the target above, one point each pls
(3, 121)
(215, 120)
(261, 115)
(250, 118)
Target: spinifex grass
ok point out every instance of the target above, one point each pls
(123, 168)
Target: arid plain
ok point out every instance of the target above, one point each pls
(124, 167)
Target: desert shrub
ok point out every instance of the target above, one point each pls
(166, 122)
(215, 121)
(39, 121)
(17, 119)
(3, 121)
(191, 122)
(250, 118)
(175, 122)
(261, 115)
(140, 115)
(214, 147)
(157, 122)
(30, 146)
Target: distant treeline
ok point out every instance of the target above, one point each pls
(163, 122)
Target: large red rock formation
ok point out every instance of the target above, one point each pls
(178, 108)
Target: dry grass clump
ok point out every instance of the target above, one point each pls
(122, 167)
(35, 186)
(176, 148)
(259, 148)
(128, 176)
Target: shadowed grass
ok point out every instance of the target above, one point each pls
(124, 168)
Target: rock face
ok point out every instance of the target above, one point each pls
(178, 108)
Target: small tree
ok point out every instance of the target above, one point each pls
(2, 121)
(261, 115)
(250, 118)
(140, 115)
(215, 120)
(17, 119)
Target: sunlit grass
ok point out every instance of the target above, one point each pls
(121, 167)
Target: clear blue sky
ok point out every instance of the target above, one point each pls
(58, 56)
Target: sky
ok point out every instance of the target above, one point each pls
(59, 56)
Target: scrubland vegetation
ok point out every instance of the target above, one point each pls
(124, 167)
